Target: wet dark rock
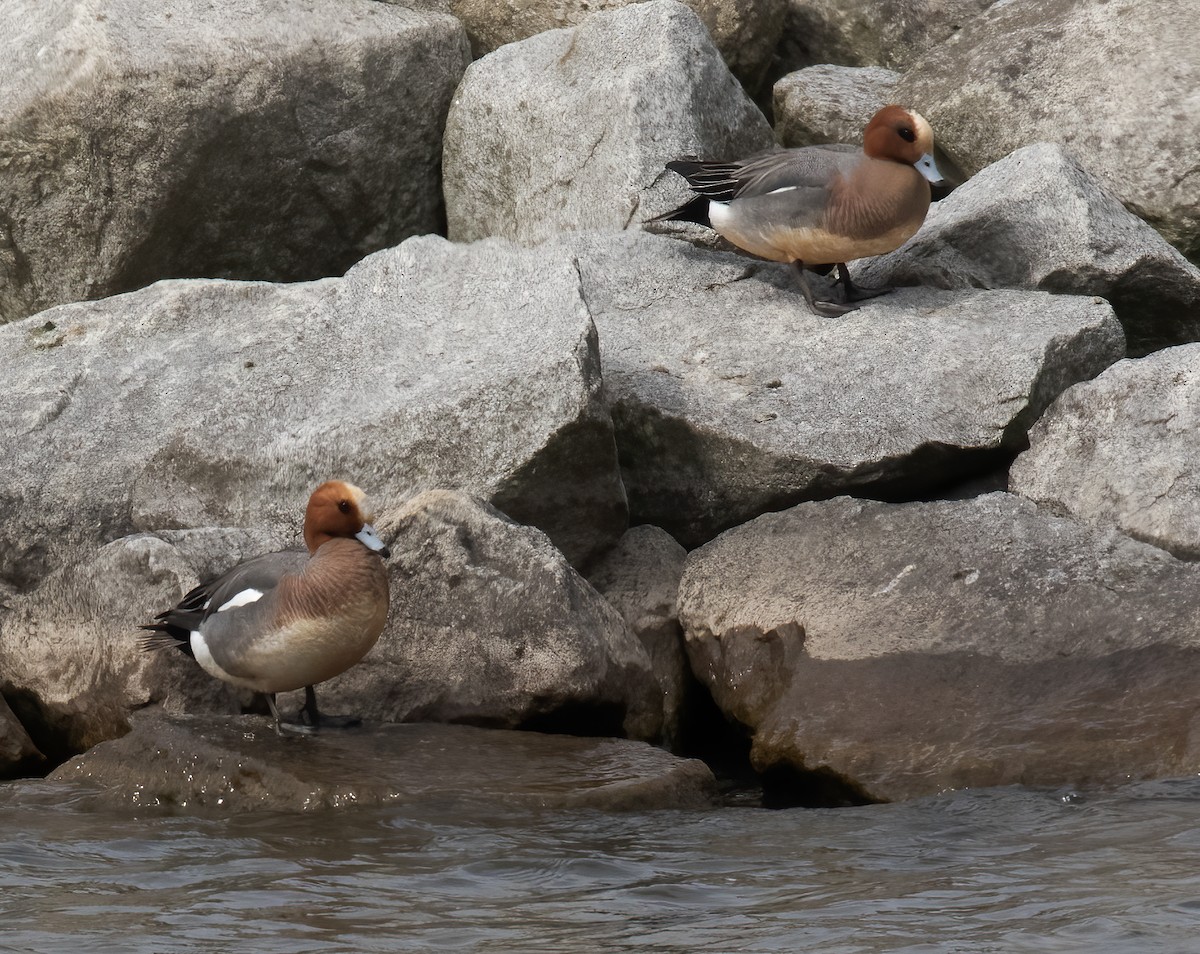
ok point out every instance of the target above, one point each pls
(1113, 82)
(1035, 219)
(897, 650)
(206, 403)
(1121, 451)
(730, 398)
(219, 766)
(233, 140)
(569, 130)
(640, 578)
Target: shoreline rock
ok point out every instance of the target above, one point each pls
(899, 650)
(223, 766)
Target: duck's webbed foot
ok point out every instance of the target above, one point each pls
(829, 309)
(286, 727)
(310, 715)
(852, 292)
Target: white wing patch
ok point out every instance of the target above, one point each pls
(246, 596)
(784, 189)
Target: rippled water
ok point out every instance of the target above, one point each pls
(1001, 871)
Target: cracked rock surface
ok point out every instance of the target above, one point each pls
(208, 403)
(729, 397)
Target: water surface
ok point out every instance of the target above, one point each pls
(1006, 870)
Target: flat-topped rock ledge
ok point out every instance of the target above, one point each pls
(898, 650)
(219, 765)
(729, 397)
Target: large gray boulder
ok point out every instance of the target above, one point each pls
(569, 130)
(890, 651)
(1035, 219)
(730, 397)
(745, 31)
(1122, 450)
(830, 103)
(1114, 81)
(640, 578)
(224, 766)
(888, 33)
(488, 625)
(232, 139)
(491, 626)
(208, 403)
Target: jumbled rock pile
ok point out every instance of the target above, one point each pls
(870, 596)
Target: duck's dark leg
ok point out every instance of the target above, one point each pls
(310, 715)
(827, 308)
(283, 728)
(854, 292)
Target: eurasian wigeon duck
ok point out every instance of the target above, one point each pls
(822, 206)
(288, 620)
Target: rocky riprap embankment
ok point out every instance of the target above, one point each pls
(518, 395)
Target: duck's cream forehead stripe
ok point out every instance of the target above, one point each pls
(359, 499)
(921, 127)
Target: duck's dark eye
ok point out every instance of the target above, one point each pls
(344, 506)
(907, 134)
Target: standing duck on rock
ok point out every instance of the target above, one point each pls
(822, 206)
(288, 620)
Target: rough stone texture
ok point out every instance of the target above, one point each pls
(1037, 220)
(823, 104)
(1117, 83)
(220, 766)
(569, 130)
(731, 398)
(745, 31)
(640, 578)
(901, 650)
(17, 752)
(206, 403)
(1122, 451)
(889, 33)
(490, 625)
(69, 661)
(219, 138)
